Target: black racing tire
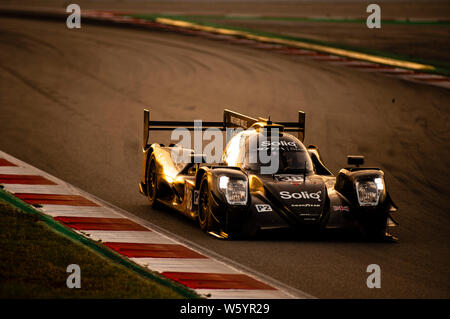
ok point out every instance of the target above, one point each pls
(205, 219)
(152, 183)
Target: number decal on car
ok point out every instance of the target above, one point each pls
(262, 208)
(289, 178)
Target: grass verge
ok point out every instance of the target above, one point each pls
(34, 259)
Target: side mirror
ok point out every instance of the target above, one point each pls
(355, 160)
(193, 169)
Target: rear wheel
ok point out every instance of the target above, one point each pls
(152, 183)
(204, 207)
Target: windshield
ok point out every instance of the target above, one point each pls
(291, 155)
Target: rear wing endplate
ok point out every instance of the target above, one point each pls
(171, 125)
(298, 127)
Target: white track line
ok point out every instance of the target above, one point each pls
(139, 237)
(197, 265)
(79, 211)
(240, 294)
(17, 170)
(38, 189)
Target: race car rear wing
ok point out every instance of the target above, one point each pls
(171, 125)
(231, 119)
(235, 119)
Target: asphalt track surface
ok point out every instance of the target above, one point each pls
(71, 104)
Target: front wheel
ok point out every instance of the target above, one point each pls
(152, 183)
(205, 218)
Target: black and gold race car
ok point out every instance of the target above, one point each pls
(242, 194)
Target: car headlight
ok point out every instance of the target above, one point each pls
(235, 190)
(369, 191)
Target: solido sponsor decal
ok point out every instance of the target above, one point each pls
(278, 143)
(301, 195)
(290, 146)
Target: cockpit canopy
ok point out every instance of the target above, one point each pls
(254, 151)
